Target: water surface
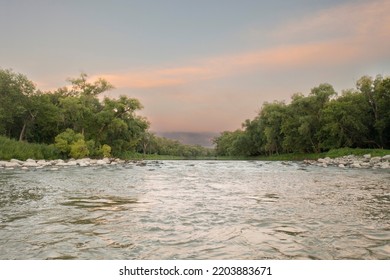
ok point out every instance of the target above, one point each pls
(195, 210)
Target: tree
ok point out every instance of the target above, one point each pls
(346, 121)
(303, 120)
(377, 95)
(15, 90)
(272, 115)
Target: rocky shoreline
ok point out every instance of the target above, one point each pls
(352, 161)
(59, 163)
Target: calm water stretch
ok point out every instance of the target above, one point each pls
(195, 210)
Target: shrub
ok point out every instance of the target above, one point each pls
(79, 149)
(106, 150)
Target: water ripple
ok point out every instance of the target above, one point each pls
(195, 210)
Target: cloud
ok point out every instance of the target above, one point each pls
(339, 35)
(367, 20)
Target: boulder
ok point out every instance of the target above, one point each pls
(101, 162)
(385, 165)
(30, 163)
(356, 165)
(43, 163)
(84, 163)
(11, 164)
(375, 160)
(386, 158)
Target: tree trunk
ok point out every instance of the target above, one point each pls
(22, 133)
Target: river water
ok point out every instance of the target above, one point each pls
(195, 210)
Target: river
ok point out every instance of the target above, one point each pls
(195, 210)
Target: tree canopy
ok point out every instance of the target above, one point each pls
(76, 121)
(320, 121)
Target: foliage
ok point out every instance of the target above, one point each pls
(152, 144)
(79, 149)
(65, 140)
(316, 123)
(68, 115)
(74, 122)
(106, 151)
(10, 149)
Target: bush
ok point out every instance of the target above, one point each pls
(106, 150)
(79, 149)
(65, 140)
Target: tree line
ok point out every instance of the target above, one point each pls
(318, 122)
(74, 122)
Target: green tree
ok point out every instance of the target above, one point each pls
(304, 119)
(346, 121)
(272, 115)
(377, 95)
(15, 90)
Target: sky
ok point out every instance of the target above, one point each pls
(199, 65)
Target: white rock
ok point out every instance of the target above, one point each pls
(17, 161)
(386, 157)
(367, 156)
(84, 164)
(375, 160)
(30, 164)
(43, 163)
(101, 162)
(341, 165)
(355, 165)
(11, 164)
(385, 165)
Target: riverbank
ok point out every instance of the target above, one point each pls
(350, 161)
(353, 161)
(58, 163)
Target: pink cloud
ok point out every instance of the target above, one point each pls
(340, 35)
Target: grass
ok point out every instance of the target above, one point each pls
(12, 149)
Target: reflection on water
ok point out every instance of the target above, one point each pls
(94, 203)
(195, 210)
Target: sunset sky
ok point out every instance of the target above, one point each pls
(199, 65)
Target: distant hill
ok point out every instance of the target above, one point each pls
(204, 139)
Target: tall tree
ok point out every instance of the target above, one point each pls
(15, 90)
